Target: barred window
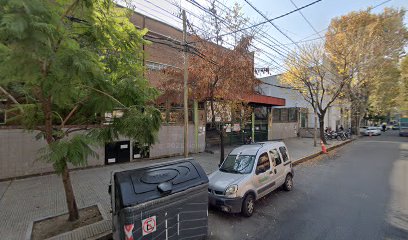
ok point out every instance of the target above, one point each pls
(276, 114)
(293, 115)
(284, 115)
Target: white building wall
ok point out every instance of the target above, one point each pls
(274, 88)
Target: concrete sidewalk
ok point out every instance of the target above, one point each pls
(25, 200)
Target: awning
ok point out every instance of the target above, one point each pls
(262, 99)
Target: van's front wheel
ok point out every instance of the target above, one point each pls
(288, 185)
(248, 205)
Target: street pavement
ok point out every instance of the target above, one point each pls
(25, 200)
(359, 191)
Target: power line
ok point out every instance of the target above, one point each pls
(226, 42)
(264, 34)
(277, 66)
(261, 23)
(305, 61)
(224, 22)
(276, 27)
(165, 10)
(369, 9)
(174, 43)
(304, 17)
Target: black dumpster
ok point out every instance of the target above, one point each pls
(162, 201)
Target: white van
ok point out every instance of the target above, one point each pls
(248, 173)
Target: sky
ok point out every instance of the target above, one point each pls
(293, 25)
(318, 14)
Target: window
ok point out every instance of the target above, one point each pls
(238, 164)
(293, 115)
(261, 113)
(303, 119)
(276, 115)
(276, 160)
(263, 163)
(284, 153)
(284, 115)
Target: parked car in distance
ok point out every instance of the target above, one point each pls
(395, 127)
(378, 127)
(403, 127)
(248, 173)
(373, 131)
(362, 130)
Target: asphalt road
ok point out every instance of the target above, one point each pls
(359, 191)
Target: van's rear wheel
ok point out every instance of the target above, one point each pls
(248, 205)
(288, 185)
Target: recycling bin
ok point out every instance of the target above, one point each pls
(161, 201)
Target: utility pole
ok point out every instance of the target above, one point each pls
(185, 85)
(315, 117)
(143, 45)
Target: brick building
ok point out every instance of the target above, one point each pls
(19, 149)
(160, 56)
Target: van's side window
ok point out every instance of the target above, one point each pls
(276, 159)
(284, 153)
(263, 163)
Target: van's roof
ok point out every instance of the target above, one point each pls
(252, 149)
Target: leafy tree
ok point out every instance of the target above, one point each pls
(220, 72)
(225, 76)
(384, 89)
(402, 99)
(311, 73)
(369, 45)
(72, 61)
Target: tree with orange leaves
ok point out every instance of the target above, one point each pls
(220, 75)
(223, 77)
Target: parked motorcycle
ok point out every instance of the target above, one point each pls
(341, 136)
(348, 134)
(330, 135)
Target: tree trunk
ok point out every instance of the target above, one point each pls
(212, 112)
(358, 125)
(221, 143)
(69, 194)
(321, 125)
(354, 122)
(315, 130)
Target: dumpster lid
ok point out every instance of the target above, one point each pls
(144, 184)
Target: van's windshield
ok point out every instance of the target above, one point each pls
(241, 164)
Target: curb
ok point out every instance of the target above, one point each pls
(304, 159)
(83, 232)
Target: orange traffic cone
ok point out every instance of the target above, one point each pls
(324, 149)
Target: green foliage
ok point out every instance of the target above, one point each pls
(369, 46)
(145, 119)
(75, 151)
(402, 100)
(70, 62)
(384, 89)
